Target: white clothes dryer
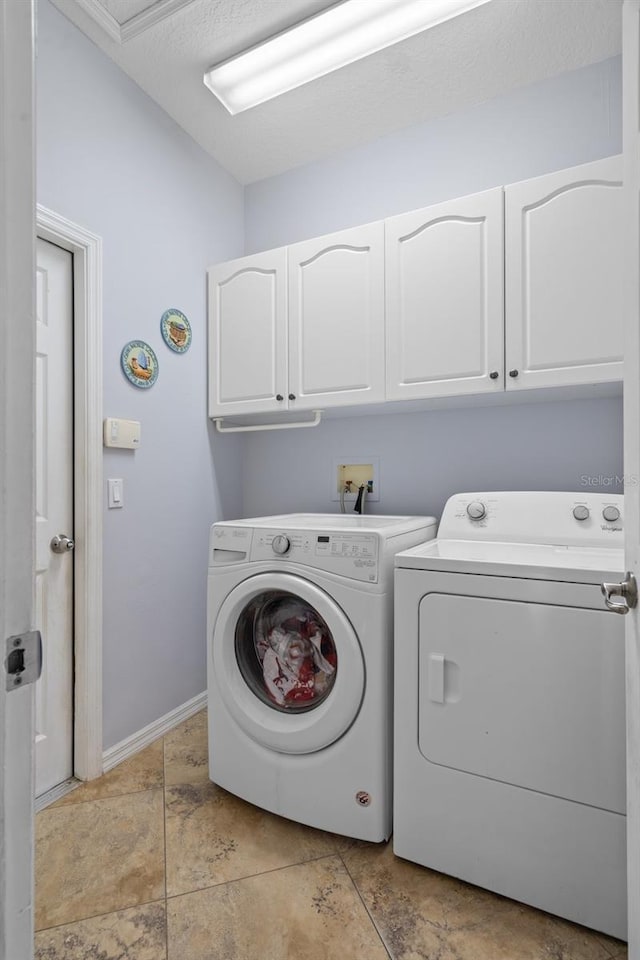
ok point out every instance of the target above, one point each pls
(300, 660)
(510, 702)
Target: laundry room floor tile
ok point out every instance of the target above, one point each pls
(213, 837)
(186, 758)
(99, 856)
(144, 771)
(309, 911)
(246, 885)
(135, 934)
(421, 913)
(617, 949)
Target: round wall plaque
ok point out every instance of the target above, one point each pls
(139, 364)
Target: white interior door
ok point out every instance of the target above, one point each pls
(54, 513)
(17, 329)
(631, 175)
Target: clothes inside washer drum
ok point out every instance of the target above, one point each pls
(296, 651)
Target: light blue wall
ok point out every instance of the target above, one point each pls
(558, 123)
(111, 160)
(424, 457)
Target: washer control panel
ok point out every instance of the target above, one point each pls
(569, 519)
(348, 554)
(353, 555)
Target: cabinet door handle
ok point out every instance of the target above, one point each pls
(494, 374)
(513, 373)
(292, 396)
(279, 396)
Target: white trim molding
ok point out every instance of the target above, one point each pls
(121, 32)
(86, 248)
(631, 184)
(17, 421)
(138, 741)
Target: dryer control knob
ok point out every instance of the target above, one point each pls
(476, 510)
(611, 514)
(281, 544)
(581, 512)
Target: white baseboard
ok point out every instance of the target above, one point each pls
(138, 741)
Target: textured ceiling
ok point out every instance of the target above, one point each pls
(492, 49)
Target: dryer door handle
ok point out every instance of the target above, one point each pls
(435, 683)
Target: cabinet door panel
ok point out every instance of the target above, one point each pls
(444, 298)
(336, 318)
(564, 280)
(247, 335)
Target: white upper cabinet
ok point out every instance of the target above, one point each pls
(336, 319)
(248, 335)
(511, 288)
(445, 299)
(564, 277)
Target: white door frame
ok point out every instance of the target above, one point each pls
(86, 249)
(631, 185)
(17, 520)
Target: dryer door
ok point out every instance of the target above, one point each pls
(523, 692)
(287, 663)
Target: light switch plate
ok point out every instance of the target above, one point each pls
(115, 489)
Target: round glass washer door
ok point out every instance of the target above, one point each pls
(288, 663)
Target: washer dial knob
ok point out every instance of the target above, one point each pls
(581, 512)
(611, 514)
(281, 544)
(476, 510)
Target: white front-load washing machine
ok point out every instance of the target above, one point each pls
(510, 702)
(300, 660)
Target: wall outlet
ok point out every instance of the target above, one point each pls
(351, 473)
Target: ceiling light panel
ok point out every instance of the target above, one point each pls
(334, 38)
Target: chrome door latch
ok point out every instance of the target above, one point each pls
(23, 660)
(627, 591)
(62, 544)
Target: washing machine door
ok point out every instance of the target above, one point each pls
(287, 663)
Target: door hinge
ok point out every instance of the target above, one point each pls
(23, 660)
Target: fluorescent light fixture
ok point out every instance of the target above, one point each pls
(332, 39)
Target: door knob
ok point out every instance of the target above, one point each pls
(62, 544)
(627, 591)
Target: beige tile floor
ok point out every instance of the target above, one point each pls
(153, 862)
